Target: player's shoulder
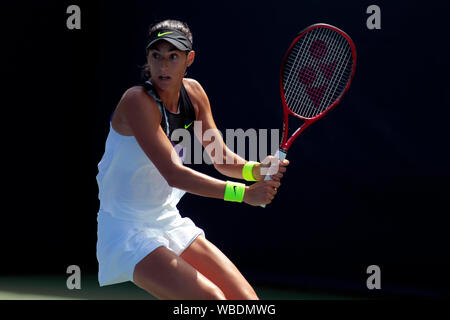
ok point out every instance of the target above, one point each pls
(135, 92)
(136, 102)
(195, 90)
(137, 96)
(197, 95)
(193, 86)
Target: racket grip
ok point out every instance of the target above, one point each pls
(280, 154)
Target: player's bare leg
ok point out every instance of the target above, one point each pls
(213, 264)
(165, 275)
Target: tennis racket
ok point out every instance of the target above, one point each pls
(315, 74)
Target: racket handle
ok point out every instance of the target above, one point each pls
(280, 154)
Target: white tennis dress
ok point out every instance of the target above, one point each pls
(138, 211)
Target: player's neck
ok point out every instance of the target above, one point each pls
(170, 97)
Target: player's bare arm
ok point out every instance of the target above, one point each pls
(227, 162)
(143, 117)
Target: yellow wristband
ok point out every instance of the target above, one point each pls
(234, 191)
(247, 171)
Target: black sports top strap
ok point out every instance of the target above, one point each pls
(186, 106)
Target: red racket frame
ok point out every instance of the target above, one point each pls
(286, 143)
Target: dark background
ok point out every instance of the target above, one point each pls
(368, 184)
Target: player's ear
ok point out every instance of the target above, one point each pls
(190, 58)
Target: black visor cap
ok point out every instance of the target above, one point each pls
(174, 37)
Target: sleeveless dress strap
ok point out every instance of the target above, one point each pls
(148, 86)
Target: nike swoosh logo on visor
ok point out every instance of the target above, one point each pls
(187, 126)
(164, 33)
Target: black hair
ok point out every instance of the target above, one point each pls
(166, 24)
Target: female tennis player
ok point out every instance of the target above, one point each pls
(141, 236)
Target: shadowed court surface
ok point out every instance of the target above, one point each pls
(54, 288)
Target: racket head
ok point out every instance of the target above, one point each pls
(315, 74)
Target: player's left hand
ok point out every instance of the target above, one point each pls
(269, 161)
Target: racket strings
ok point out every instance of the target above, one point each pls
(339, 59)
(317, 71)
(297, 97)
(314, 94)
(311, 103)
(296, 94)
(291, 86)
(331, 60)
(323, 93)
(342, 74)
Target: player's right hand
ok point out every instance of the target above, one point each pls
(261, 192)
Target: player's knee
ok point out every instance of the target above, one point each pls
(247, 294)
(214, 293)
(251, 296)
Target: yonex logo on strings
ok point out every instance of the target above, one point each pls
(308, 75)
